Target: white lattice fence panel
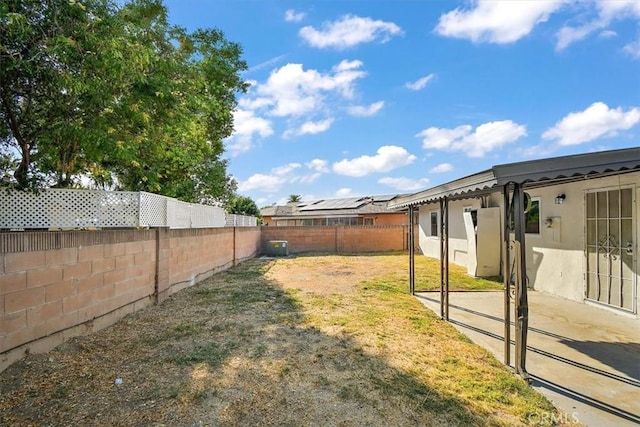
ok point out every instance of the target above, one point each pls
(117, 209)
(178, 214)
(207, 216)
(234, 220)
(61, 208)
(153, 210)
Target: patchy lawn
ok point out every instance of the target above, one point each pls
(310, 340)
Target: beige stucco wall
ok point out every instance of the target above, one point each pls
(430, 245)
(555, 257)
(557, 265)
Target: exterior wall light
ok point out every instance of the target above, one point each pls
(560, 199)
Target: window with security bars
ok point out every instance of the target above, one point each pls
(610, 247)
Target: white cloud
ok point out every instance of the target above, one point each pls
(254, 103)
(421, 83)
(569, 35)
(308, 179)
(441, 138)
(266, 183)
(404, 184)
(607, 34)
(343, 192)
(318, 165)
(309, 127)
(348, 31)
(606, 11)
(246, 126)
(365, 110)
(596, 121)
(441, 168)
(619, 9)
(273, 182)
(295, 91)
(486, 137)
(539, 150)
(268, 63)
(308, 98)
(388, 157)
(292, 16)
(499, 22)
(286, 170)
(633, 49)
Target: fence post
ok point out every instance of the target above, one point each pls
(234, 244)
(163, 255)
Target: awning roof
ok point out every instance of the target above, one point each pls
(535, 172)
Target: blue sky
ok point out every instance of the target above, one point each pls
(356, 98)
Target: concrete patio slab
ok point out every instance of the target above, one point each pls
(585, 359)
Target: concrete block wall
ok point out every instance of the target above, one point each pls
(247, 243)
(338, 239)
(374, 239)
(56, 285)
(196, 254)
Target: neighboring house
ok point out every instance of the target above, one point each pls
(581, 224)
(371, 210)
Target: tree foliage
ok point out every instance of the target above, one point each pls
(242, 205)
(294, 198)
(91, 88)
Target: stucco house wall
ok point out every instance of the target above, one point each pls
(556, 261)
(430, 245)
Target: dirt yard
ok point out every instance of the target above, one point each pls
(301, 341)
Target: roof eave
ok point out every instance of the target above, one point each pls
(478, 183)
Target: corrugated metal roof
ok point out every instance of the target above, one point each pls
(551, 171)
(481, 181)
(580, 165)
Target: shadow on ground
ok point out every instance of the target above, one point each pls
(235, 349)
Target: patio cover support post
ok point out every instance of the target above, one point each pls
(441, 264)
(522, 304)
(506, 274)
(412, 268)
(444, 258)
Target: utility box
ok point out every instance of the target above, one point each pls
(277, 248)
(483, 242)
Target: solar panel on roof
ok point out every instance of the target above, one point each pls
(384, 198)
(347, 203)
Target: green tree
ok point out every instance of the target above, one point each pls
(61, 63)
(117, 93)
(242, 205)
(294, 198)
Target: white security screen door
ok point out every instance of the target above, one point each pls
(611, 258)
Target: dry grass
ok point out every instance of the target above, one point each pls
(313, 340)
